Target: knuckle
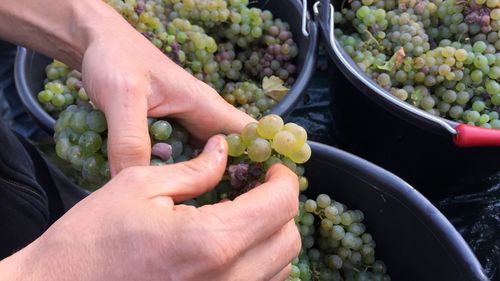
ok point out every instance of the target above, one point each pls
(128, 84)
(129, 143)
(132, 175)
(194, 167)
(217, 251)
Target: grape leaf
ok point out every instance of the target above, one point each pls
(394, 62)
(273, 88)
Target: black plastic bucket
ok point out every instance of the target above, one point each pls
(30, 66)
(413, 238)
(376, 126)
(431, 163)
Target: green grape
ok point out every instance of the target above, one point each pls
(161, 130)
(249, 132)
(310, 206)
(236, 147)
(478, 106)
(284, 142)
(62, 147)
(58, 100)
(299, 133)
(96, 121)
(303, 184)
(45, 96)
(337, 232)
(269, 125)
(302, 154)
(323, 200)
(259, 150)
(78, 122)
(90, 142)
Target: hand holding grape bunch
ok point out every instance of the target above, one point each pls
(135, 232)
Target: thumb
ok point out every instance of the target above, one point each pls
(186, 180)
(128, 138)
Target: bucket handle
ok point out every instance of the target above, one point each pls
(472, 136)
(463, 135)
(304, 18)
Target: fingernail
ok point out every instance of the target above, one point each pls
(215, 144)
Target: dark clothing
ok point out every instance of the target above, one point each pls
(30, 197)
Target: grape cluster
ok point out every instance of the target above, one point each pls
(335, 244)
(81, 140)
(248, 97)
(270, 137)
(63, 87)
(206, 13)
(251, 153)
(441, 56)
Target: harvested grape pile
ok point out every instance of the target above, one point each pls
(441, 55)
(335, 244)
(243, 52)
(81, 140)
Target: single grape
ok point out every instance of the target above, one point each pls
(236, 146)
(269, 125)
(259, 150)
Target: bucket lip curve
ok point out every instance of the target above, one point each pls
(298, 89)
(390, 184)
(349, 68)
(28, 99)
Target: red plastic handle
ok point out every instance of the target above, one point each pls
(472, 136)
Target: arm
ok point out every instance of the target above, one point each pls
(58, 28)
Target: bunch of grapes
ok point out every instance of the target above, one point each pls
(63, 87)
(335, 244)
(248, 97)
(81, 140)
(441, 56)
(206, 13)
(254, 151)
(279, 53)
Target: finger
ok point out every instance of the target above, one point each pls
(283, 274)
(206, 114)
(129, 143)
(260, 212)
(186, 180)
(227, 118)
(271, 257)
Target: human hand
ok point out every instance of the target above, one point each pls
(129, 79)
(131, 230)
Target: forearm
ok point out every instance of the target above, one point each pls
(11, 268)
(62, 29)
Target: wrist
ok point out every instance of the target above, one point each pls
(94, 20)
